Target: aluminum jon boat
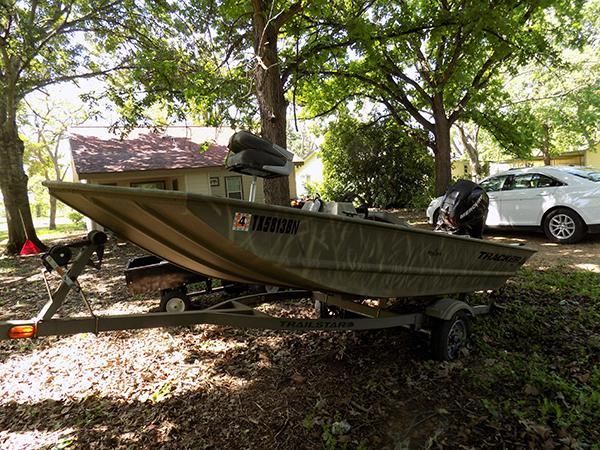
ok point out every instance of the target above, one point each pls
(330, 252)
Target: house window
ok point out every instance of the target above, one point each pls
(233, 187)
(160, 184)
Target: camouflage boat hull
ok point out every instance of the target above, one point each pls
(254, 243)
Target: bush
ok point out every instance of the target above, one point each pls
(75, 217)
(313, 188)
(378, 161)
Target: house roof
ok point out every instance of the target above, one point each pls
(96, 150)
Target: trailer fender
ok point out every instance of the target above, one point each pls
(445, 308)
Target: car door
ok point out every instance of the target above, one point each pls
(525, 197)
(493, 187)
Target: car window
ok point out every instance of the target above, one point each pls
(531, 181)
(544, 181)
(586, 173)
(523, 181)
(493, 184)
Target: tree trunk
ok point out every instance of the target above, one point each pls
(52, 220)
(57, 177)
(13, 183)
(270, 96)
(472, 152)
(546, 146)
(443, 164)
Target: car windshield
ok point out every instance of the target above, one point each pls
(588, 174)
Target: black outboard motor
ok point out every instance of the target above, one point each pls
(464, 209)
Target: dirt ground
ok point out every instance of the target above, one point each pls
(582, 256)
(209, 387)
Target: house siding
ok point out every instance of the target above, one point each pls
(461, 169)
(196, 181)
(592, 157)
(577, 159)
(311, 171)
(220, 190)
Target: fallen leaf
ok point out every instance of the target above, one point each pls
(298, 379)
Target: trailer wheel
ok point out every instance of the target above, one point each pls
(174, 301)
(449, 337)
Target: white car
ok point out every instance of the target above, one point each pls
(563, 201)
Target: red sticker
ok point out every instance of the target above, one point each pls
(241, 221)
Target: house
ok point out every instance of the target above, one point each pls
(460, 169)
(589, 158)
(311, 171)
(183, 158)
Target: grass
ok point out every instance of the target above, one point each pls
(44, 233)
(543, 354)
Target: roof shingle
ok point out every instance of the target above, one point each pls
(143, 151)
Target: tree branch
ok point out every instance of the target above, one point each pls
(481, 78)
(64, 28)
(400, 74)
(288, 14)
(66, 78)
(405, 101)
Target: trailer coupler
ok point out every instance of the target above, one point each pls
(57, 260)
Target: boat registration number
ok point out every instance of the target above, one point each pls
(265, 224)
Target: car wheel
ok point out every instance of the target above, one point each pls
(564, 226)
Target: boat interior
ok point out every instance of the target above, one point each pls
(257, 157)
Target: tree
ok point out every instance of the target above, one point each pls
(564, 103)
(439, 60)
(208, 56)
(549, 109)
(40, 45)
(45, 125)
(377, 160)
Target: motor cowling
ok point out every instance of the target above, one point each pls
(464, 209)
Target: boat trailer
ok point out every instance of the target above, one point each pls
(446, 318)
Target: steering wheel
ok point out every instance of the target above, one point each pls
(359, 202)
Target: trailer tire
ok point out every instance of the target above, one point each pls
(174, 301)
(450, 337)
